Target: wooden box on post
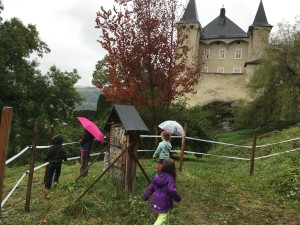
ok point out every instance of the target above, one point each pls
(125, 126)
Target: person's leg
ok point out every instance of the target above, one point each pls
(50, 173)
(84, 163)
(162, 219)
(57, 174)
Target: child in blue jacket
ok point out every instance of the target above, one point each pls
(163, 149)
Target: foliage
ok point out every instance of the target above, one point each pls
(275, 85)
(199, 123)
(144, 66)
(49, 99)
(104, 108)
(287, 183)
(100, 77)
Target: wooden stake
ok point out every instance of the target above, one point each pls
(102, 174)
(4, 140)
(252, 156)
(31, 170)
(182, 147)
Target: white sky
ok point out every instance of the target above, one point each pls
(67, 26)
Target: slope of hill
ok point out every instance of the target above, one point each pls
(90, 96)
(214, 190)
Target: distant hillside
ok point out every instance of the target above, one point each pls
(90, 96)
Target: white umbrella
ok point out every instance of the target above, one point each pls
(173, 127)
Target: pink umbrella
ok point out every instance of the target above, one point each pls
(92, 128)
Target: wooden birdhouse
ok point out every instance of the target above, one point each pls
(125, 126)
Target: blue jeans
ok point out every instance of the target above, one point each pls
(54, 168)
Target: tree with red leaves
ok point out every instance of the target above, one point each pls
(144, 66)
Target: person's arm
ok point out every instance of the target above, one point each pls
(64, 155)
(49, 153)
(172, 190)
(157, 151)
(148, 192)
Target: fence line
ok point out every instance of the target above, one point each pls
(156, 136)
(278, 153)
(17, 155)
(198, 139)
(27, 172)
(275, 143)
(29, 146)
(217, 142)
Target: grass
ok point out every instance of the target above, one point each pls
(214, 191)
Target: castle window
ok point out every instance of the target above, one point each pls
(218, 42)
(238, 42)
(206, 54)
(220, 69)
(204, 69)
(221, 53)
(238, 53)
(237, 70)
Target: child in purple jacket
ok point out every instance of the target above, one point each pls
(163, 191)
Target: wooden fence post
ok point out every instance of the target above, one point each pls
(4, 140)
(31, 170)
(252, 156)
(182, 147)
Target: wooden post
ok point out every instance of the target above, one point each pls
(4, 140)
(252, 156)
(102, 174)
(182, 147)
(31, 170)
(130, 171)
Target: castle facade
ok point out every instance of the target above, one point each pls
(228, 54)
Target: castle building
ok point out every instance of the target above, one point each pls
(228, 54)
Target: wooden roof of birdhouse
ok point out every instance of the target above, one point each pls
(128, 117)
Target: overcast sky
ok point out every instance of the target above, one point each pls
(67, 26)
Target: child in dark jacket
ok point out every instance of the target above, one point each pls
(55, 155)
(163, 191)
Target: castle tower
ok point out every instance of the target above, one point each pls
(258, 33)
(190, 29)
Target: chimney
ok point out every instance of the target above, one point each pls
(222, 16)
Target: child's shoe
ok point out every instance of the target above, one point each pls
(55, 184)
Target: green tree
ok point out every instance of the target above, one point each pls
(49, 98)
(275, 85)
(101, 78)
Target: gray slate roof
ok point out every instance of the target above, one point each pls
(129, 118)
(260, 19)
(190, 14)
(215, 30)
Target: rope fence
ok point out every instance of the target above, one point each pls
(143, 150)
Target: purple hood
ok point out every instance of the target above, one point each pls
(163, 191)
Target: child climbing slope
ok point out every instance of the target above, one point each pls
(163, 191)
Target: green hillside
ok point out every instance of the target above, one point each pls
(215, 190)
(90, 97)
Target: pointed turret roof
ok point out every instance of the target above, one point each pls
(222, 27)
(190, 14)
(260, 19)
